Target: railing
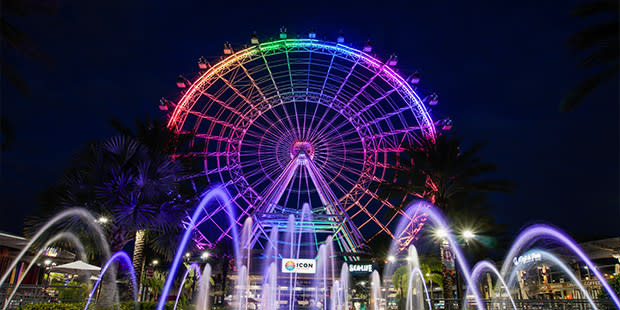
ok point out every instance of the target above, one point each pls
(525, 304)
(33, 294)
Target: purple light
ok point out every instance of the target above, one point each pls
(485, 265)
(535, 232)
(222, 195)
(122, 257)
(436, 217)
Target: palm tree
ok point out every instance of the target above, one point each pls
(159, 141)
(450, 177)
(430, 268)
(598, 46)
(138, 191)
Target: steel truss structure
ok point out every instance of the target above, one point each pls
(302, 120)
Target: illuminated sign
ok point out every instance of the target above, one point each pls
(528, 258)
(292, 265)
(361, 268)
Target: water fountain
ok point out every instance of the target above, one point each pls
(330, 286)
(122, 258)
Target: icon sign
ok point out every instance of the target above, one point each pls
(291, 265)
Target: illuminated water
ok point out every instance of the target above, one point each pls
(331, 287)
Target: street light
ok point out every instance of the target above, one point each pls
(204, 255)
(103, 220)
(468, 235)
(155, 262)
(441, 233)
(391, 258)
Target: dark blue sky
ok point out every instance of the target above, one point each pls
(500, 69)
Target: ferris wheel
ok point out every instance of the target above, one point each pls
(291, 121)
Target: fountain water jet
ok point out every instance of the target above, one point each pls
(567, 270)
(63, 235)
(67, 214)
(436, 217)
(215, 193)
(203, 297)
(375, 290)
(538, 231)
(417, 272)
(196, 269)
(122, 257)
(477, 272)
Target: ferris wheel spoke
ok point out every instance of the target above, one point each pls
(277, 90)
(352, 99)
(331, 64)
(290, 77)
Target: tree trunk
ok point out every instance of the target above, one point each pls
(447, 290)
(138, 256)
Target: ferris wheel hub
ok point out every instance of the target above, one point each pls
(299, 146)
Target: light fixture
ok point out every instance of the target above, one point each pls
(441, 233)
(102, 220)
(254, 38)
(203, 63)
(391, 258)
(367, 47)
(155, 262)
(204, 255)
(468, 235)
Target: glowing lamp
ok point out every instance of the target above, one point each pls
(468, 235)
(441, 233)
(391, 258)
(204, 255)
(254, 39)
(367, 47)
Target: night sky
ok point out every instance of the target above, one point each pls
(500, 70)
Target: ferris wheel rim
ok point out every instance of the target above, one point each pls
(427, 125)
(244, 187)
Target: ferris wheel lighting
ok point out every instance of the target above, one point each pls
(228, 49)
(254, 39)
(283, 32)
(331, 150)
(414, 78)
(182, 82)
(433, 99)
(393, 60)
(203, 64)
(312, 34)
(367, 47)
(340, 38)
(163, 104)
(447, 124)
